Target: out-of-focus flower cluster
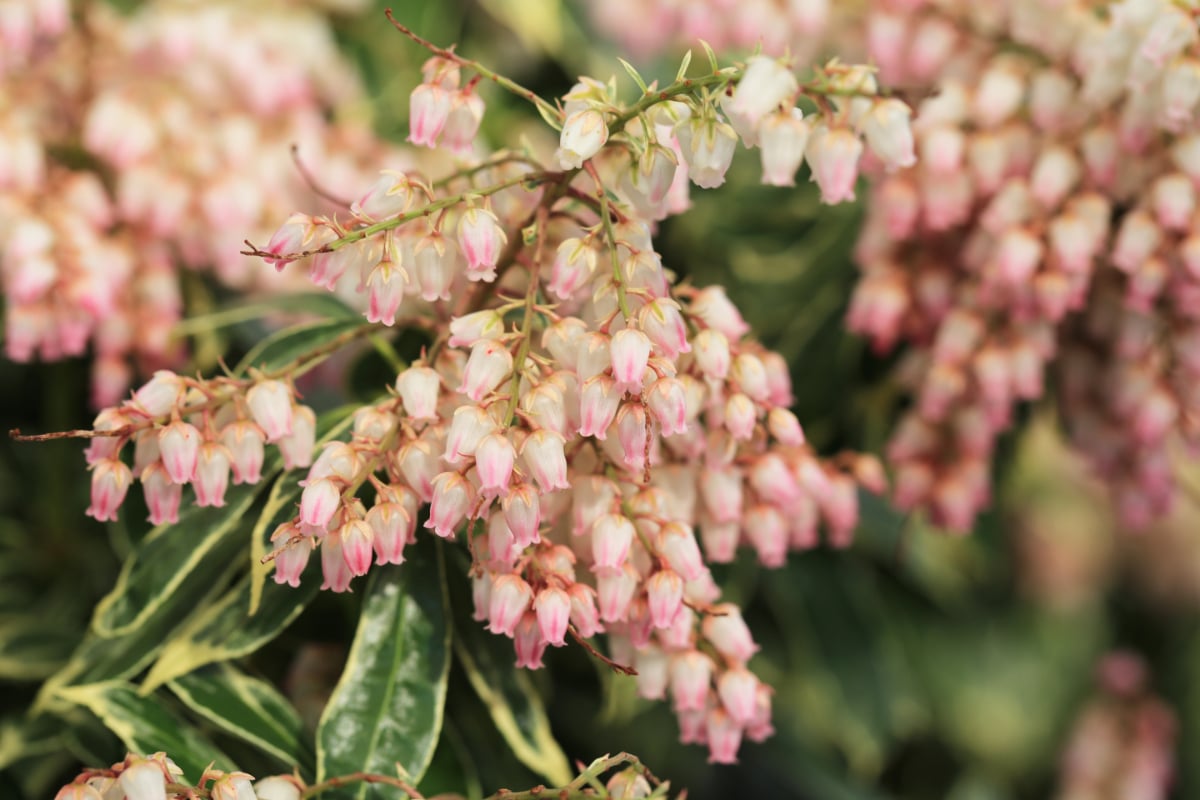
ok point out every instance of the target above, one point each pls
(1123, 741)
(595, 433)
(1050, 223)
(645, 29)
(135, 146)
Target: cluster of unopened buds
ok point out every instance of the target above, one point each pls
(595, 433)
(198, 432)
(133, 149)
(1123, 742)
(1051, 223)
(158, 777)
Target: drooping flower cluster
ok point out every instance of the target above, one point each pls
(136, 146)
(1123, 742)
(596, 434)
(187, 431)
(1049, 224)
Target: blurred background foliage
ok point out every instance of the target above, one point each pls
(913, 665)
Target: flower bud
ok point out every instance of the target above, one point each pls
(553, 607)
(297, 447)
(452, 499)
(708, 146)
(160, 394)
(429, 108)
(727, 631)
(677, 544)
(584, 615)
(522, 512)
(480, 238)
(784, 426)
(612, 536)
(179, 446)
(598, 404)
(335, 571)
(711, 350)
(889, 133)
(494, 461)
(766, 84)
(664, 595)
(418, 388)
(357, 546)
(211, 478)
(319, 501)
(691, 673)
(270, 404)
(724, 736)
(390, 524)
(277, 787)
(583, 134)
(574, 263)
(543, 455)
(510, 597)
(465, 331)
(143, 779)
(630, 351)
(390, 195)
(614, 591)
(462, 124)
(110, 482)
(833, 157)
(667, 400)
(783, 138)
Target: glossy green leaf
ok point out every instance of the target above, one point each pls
(31, 649)
(509, 695)
(288, 344)
(173, 560)
(249, 709)
(388, 706)
(319, 304)
(145, 725)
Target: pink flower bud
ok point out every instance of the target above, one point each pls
(663, 323)
(653, 672)
(584, 615)
(179, 446)
(767, 530)
(211, 477)
(78, 791)
(544, 405)
(997, 95)
(435, 267)
(664, 595)
(293, 236)
(334, 569)
(1172, 30)
(452, 499)
(542, 454)
(1054, 176)
(528, 642)
(784, 426)
(390, 524)
(522, 512)
(691, 673)
(833, 157)
(889, 133)
(766, 84)
(162, 495)
(783, 138)
(1100, 151)
(724, 736)
(584, 133)
(390, 195)
(1180, 91)
(593, 355)
(494, 461)
(419, 465)
(574, 263)
(357, 546)
(667, 400)
(711, 351)
(1174, 199)
(319, 501)
(143, 779)
(633, 436)
(297, 447)
(270, 404)
(480, 238)
(510, 597)
(467, 330)
(429, 108)
(630, 351)
(233, 786)
(720, 541)
(118, 130)
(1018, 255)
(1137, 240)
(553, 607)
(292, 556)
(110, 482)
(488, 365)
(468, 427)
(598, 404)
(160, 395)
(244, 440)
(773, 481)
(727, 632)
(708, 146)
(738, 690)
(614, 590)
(385, 286)
(740, 416)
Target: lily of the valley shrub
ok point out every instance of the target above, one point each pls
(594, 433)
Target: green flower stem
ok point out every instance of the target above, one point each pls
(610, 234)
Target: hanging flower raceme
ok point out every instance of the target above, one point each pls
(594, 434)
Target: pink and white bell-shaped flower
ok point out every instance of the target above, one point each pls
(244, 441)
(452, 500)
(612, 536)
(160, 394)
(357, 546)
(584, 614)
(467, 428)
(489, 363)
(110, 482)
(233, 786)
(583, 134)
(522, 512)
(614, 592)
(664, 596)
(727, 632)
(162, 495)
(390, 524)
(143, 779)
(211, 478)
(480, 239)
(494, 457)
(297, 446)
(678, 546)
(711, 351)
(598, 402)
(528, 643)
(509, 599)
(630, 353)
(633, 435)
(553, 608)
(335, 571)
(782, 139)
(691, 674)
(179, 448)
(390, 195)
(477, 326)
(724, 736)
(708, 146)
(667, 400)
(766, 84)
(293, 236)
(462, 123)
(270, 404)
(292, 556)
(385, 285)
(543, 455)
(277, 787)
(888, 129)
(833, 156)
(419, 389)
(319, 501)
(662, 321)
(574, 264)
(429, 107)
(738, 690)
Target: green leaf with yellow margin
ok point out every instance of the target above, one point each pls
(250, 709)
(144, 725)
(509, 695)
(388, 706)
